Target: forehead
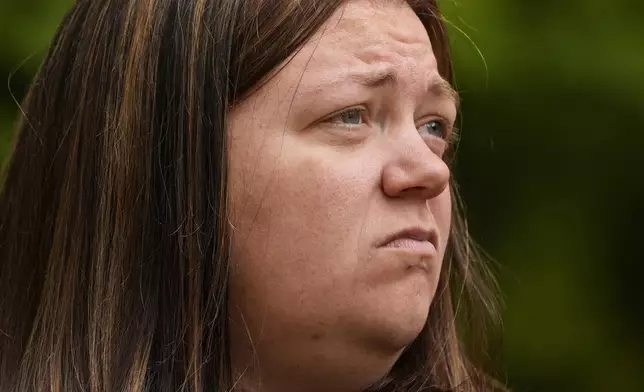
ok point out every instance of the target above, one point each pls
(362, 38)
(373, 20)
(367, 34)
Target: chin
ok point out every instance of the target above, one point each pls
(396, 321)
(406, 329)
(381, 346)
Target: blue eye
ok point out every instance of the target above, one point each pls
(434, 127)
(351, 116)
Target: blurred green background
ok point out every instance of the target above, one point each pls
(551, 168)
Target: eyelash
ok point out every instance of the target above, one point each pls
(449, 134)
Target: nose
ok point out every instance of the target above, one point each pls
(414, 170)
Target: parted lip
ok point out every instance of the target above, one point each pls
(416, 233)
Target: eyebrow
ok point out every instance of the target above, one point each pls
(438, 86)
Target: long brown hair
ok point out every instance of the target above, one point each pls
(114, 241)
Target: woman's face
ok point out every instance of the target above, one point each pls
(340, 203)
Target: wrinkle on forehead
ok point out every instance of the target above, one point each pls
(365, 34)
(366, 29)
(362, 37)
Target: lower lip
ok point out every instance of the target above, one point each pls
(411, 245)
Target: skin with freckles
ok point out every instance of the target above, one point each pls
(342, 149)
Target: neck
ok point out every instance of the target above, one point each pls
(311, 375)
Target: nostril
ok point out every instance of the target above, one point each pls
(415, 172)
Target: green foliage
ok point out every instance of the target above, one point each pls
(550, 168)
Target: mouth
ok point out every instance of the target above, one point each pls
(414, 240)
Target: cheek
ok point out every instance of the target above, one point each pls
(298, 215)
(441, 209)
(292, 195)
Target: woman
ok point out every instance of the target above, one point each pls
(239, 195)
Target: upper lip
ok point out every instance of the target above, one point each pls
(415, 233)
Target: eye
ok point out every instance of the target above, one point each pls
(350, 117)
(436, 128)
